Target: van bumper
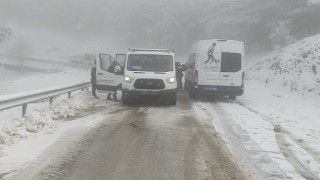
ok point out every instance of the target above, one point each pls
(220, 90)
(165, 93)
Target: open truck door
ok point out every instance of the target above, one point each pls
(109, 73)
(121, 58)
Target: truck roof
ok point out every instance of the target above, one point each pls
(220, 40)
(151, 51)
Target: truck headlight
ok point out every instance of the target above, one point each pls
(171, 80)
(128, 79)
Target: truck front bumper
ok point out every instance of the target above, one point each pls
(163, 93)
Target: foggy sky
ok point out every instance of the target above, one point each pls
(174, 24)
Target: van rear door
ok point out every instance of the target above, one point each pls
(231, 64)
(209, 67)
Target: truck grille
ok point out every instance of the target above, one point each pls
(149, 84)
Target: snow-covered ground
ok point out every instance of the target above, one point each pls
(40, 116)
(272, 131)
(40, 121)
(295, 68)
(14, 82)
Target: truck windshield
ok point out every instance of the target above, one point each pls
(150, 62)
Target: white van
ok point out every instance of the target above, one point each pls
(149, 73)
(215, 67)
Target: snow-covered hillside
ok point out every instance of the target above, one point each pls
(295, 68)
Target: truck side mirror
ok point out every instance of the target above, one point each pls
(118, 70)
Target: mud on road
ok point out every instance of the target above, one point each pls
(144, 142)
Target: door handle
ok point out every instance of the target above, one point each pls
(100, 73)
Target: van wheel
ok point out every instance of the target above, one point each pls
(232, 97)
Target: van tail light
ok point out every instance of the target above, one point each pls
(196, 74)
(242, 79)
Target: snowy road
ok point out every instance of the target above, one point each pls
(262, 145)
(146, 142)
(210, 138)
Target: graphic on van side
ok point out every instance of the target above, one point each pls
(210, 57)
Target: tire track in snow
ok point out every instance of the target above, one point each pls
(241, 144)
(283, 145)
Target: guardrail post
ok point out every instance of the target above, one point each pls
(24, 109)
(9, 103)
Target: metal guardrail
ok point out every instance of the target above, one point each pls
(23, 99)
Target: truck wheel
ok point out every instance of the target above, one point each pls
(232, 97)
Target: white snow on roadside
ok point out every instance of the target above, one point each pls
(295, 68)
(24, 151)
(285, 88)
(40, 119)
(257, 138)
(304, 157)
(28, 150)
(297, 115)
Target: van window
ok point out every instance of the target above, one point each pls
(191, 61)
(105, 61)
(230, 62)
(149, 62)
(121, 58)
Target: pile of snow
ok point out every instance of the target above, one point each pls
(47, 118)
(295, 68)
